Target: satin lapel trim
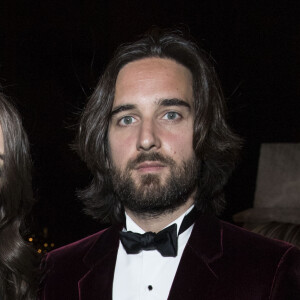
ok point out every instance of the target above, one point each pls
(101, 259)
(195, 277)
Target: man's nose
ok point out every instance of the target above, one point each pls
(148, 136)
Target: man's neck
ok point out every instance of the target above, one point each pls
(157, 223)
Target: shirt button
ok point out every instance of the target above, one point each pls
(150, 287)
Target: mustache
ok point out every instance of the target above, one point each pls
(154, 156)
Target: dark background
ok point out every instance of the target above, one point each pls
(52, 53)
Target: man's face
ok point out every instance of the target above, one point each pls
(151, 133)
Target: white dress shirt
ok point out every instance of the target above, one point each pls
(147, 275)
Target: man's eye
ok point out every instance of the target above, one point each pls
(172, 115)
(127, 120)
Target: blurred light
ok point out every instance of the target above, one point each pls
(52, 244)
(39, 251)
(30, 239)
(45, 232)
(46, 245)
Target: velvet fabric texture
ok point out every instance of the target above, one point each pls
(220, 261)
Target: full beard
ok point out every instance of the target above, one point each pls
(152, 196)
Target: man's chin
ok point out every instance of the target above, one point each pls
(149, 180)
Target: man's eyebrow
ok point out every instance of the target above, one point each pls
(162, 102)
(121, 108)
(173, 102)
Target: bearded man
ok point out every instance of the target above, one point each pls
(155, 138)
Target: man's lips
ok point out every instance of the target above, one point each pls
(149, 166)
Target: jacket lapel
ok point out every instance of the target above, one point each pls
(101, 259)
(195, 277)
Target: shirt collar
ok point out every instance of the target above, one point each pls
(132, 226)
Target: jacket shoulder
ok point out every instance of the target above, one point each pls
(62, 268)
(267, 262)
(256, 243)
(75, 250)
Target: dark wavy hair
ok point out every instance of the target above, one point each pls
(18, 261)
(215, 145)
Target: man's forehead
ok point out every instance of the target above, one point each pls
(158, 78)
(148, 63)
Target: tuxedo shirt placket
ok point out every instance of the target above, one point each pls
(146, 275)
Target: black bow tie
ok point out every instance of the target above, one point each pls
(165, 241)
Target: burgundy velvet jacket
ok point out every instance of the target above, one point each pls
(220, 261)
